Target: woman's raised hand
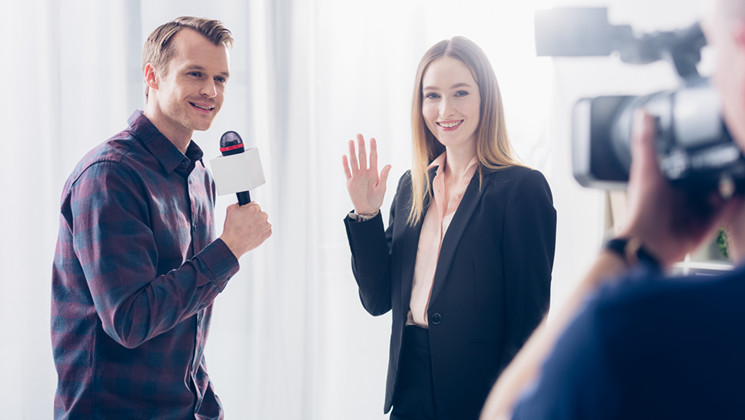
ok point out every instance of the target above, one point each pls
(366, 188)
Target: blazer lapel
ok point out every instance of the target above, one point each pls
(462, 215)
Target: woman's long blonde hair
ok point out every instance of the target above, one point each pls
(493, 147)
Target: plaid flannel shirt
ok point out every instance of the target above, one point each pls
(135, 273)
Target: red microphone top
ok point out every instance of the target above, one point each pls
(229, 148)
(231, 143)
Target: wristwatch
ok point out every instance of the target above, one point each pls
(631, 251)
(361, 217)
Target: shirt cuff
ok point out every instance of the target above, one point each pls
(219, 261)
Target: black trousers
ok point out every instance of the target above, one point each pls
(414, 395)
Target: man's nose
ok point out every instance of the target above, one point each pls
(209, 89)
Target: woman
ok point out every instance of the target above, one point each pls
(465, 263)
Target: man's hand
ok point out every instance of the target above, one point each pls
(246, 227)
(669, 221)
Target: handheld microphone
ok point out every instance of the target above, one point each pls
(232, 144)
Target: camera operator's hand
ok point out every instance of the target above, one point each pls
(669, 221)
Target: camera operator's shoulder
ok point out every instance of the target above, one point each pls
(644, 286)
(646, 302)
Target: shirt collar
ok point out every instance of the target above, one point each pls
(169, 156)
(439, 162)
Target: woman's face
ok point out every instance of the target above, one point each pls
(451, 103)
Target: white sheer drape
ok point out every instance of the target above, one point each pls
(290, 339)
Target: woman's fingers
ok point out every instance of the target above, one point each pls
(373, 156)
(353, 158)
(356, 164)
(384, 174)
(362, 152)
(345, 162)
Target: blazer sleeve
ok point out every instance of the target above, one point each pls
(371, 247)
(529, 244)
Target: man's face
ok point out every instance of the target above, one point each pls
(190, 93)
(727, 34)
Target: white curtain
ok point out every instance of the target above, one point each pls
(289, 339)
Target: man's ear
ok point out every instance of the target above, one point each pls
(151, 78)
(738, 33)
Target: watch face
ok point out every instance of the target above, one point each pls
(358, 217)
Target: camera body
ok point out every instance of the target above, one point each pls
(693, 145)
(694, 148)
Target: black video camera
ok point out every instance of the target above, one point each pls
(694, 148)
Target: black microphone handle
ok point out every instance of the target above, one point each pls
(243, 198)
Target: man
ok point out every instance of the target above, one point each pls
(633, 343)
(137, 265)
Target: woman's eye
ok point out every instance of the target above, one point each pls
(431, 96)
(461, 93)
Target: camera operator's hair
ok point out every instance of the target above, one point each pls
(493, 148)
(159, 50)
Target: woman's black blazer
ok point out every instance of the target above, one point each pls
(491, 285)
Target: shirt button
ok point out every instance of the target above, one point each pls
(436, 318)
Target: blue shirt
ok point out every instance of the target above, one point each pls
(135, 273)
(649, 347)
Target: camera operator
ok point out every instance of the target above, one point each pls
(632, 342)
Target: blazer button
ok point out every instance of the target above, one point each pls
(436, 318)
